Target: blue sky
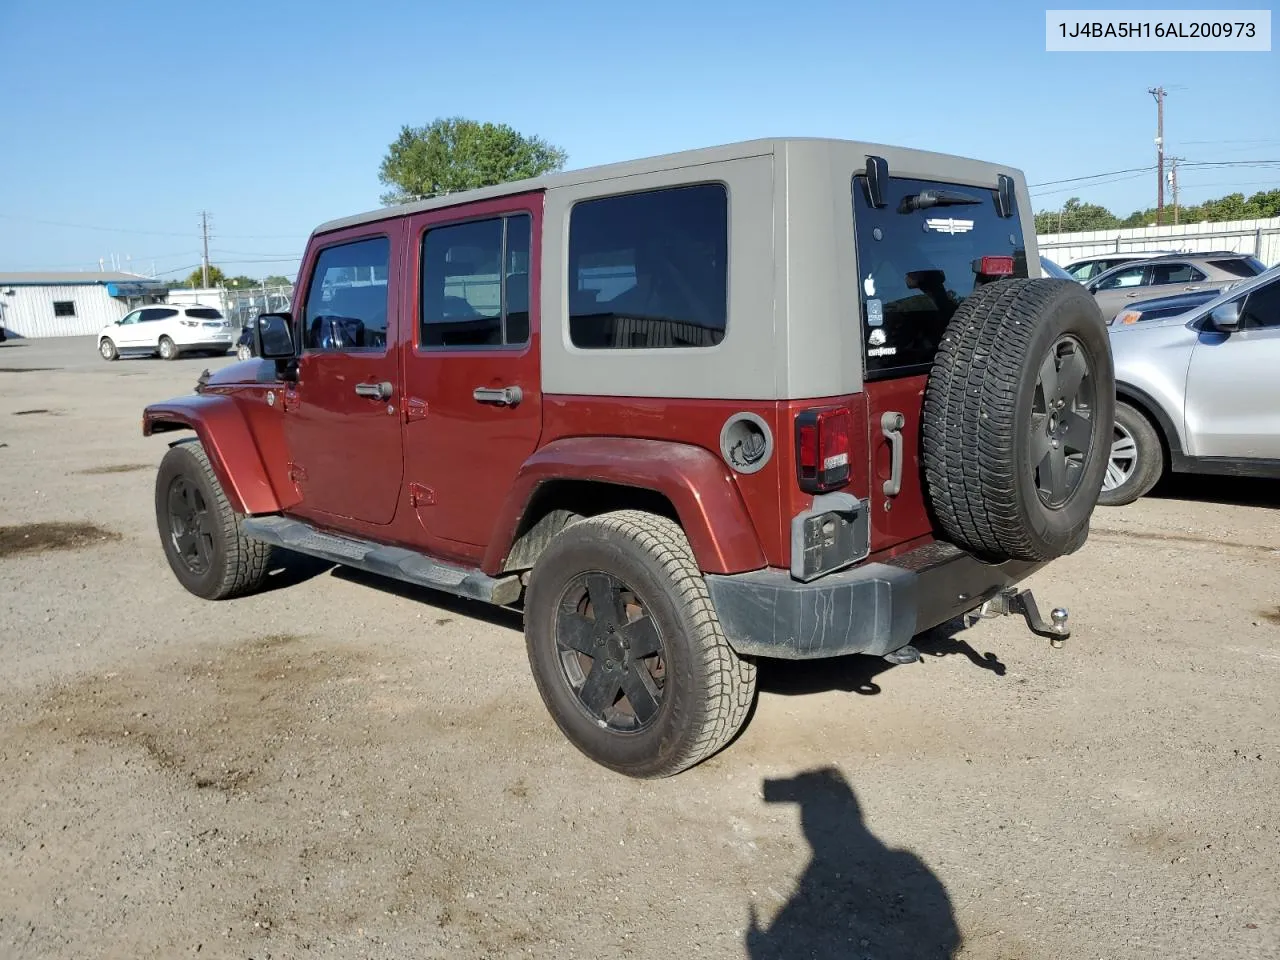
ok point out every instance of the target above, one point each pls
(135, 115)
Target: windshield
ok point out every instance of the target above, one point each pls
(917, 260)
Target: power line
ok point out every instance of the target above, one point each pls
(1092, 176)
(1100, 183)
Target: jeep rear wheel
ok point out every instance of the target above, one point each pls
(626, 649)
(1018, 418)
(200, 532)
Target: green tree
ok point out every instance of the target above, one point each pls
(1075, 216)
(216, 277)
(242, 282)
(453, 154)
(275, 280)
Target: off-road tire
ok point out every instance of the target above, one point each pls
(237, 565)
(1148, 464)
(708, 688)
(169, 352)
(107, 349)
(976, 426)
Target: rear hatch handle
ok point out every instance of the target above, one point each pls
(891, 424)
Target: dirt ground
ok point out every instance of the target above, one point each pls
(347, 768)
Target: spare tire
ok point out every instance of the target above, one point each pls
(1018, 418)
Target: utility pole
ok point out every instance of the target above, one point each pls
(1158, 93)
(1173, 182)
(204, 262)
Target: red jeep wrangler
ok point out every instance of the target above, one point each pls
(784, 398)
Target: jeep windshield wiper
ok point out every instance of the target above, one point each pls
(935, 198)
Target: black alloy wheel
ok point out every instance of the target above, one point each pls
(1062, 421)
(611, 652)
(190, 526)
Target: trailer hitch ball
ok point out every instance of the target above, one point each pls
(1059, 617)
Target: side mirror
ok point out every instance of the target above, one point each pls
(273, 336)
(1226, 316)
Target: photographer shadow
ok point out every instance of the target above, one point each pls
(857, 898)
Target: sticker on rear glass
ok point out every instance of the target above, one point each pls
(876, 344)
(948, 225)
(875, 313)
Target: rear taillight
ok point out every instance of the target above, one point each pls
(994, 266)
(823, 448)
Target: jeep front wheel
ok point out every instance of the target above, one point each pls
(201, 535)
(626, 649)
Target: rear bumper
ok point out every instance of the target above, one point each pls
(875, 608)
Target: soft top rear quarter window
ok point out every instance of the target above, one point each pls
(650, 269)
(917, 262)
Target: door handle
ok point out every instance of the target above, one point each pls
(502, 396)
(375, 391)
(891, 424)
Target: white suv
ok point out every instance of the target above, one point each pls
(168, 331)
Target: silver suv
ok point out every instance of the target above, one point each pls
(1161, 276)
(1198, 392)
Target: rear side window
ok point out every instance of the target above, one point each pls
(204, 313)
(1124, 278)
(917, 265)
(475, 283)
(1175, 273)
(650, 270)
(347, 299)
(155, 314)
(1239, 267)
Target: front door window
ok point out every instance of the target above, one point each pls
(347, 304)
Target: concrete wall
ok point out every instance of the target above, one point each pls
(28, 311)
(1258, 237)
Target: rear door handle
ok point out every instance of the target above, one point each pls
(375, 391)
(502, 396)
(891, 424)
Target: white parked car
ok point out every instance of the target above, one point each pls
(168, 330)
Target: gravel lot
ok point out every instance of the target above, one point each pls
(356, 769)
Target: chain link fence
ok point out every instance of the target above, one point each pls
(241, 306)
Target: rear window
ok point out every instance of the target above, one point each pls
(1239, 267)
(916, 266)
(204, 313)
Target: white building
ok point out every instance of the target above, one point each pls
(71, 304)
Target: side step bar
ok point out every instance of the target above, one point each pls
(395, 562)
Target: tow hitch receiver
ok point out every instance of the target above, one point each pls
(1022, 602)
